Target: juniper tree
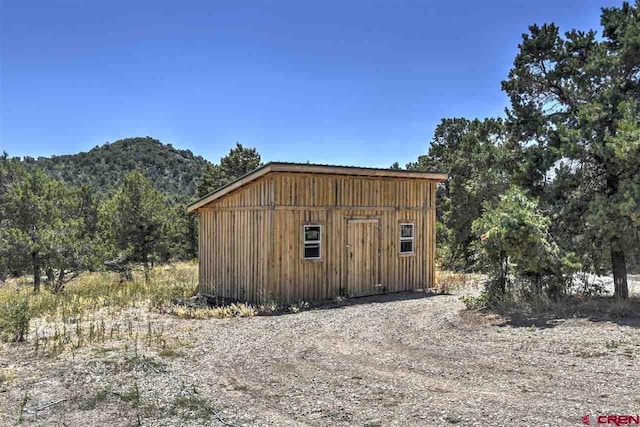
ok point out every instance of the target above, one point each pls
(135, 220)
(515, 241)
(38, 230)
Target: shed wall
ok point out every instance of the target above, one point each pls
(314, 190)
(251, 244)
(293, 278)
(233, 252)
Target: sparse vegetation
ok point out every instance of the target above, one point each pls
(93, 309)
(100, 396)
(188, 407)
(148, 365)
(93, 292)
(544, 307)
(452, 281)
(475, 302)
(15, 316)
(7, 376)
(221, 312)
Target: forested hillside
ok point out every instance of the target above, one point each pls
(171, 170)
(66, 214)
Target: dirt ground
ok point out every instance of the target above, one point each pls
(405, 359)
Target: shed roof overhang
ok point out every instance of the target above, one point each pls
(312, 168)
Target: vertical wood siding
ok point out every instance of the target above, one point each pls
(258, 193)
(251, 241)
(233, 253)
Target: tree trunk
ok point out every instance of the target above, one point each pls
(618, 259)
(36, 271)
(60, 285)
(619, 267)
(51, 276)
(146, 269)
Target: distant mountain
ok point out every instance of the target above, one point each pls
(171, 170)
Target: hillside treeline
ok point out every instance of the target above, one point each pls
(171, 170)
(554, 187)
(53, 228)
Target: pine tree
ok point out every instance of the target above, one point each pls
(240, 161)
(574, 108)
(212, 179)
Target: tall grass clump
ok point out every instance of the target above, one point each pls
(15, 316)
(91, 292)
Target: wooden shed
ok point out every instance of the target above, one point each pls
(291, 232)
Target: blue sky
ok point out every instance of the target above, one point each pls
(341, 82)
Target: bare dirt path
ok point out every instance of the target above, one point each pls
(408, 359)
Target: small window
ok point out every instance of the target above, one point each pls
(312, 241)
(406, 238)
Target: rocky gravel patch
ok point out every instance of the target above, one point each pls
(406, 359)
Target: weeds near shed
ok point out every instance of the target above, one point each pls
(56, 338)
(450, 282)
(222, 312)
(269, 303)
(243, 310)
(298, 306)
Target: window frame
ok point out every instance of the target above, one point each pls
(313, 242)
(411, 239)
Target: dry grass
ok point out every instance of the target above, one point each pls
(222, 312)
(95, 309)
(91, 292)
(7, 376)
(449, 282)
(573, 306)
(523, 303)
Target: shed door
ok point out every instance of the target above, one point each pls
(363, 257)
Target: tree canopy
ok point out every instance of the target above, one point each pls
(574, 109)
(240, 161)
(570, 141)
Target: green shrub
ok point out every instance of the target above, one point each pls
(515, 244)
(15, 317)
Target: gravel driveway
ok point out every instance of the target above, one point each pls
(405, 359)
